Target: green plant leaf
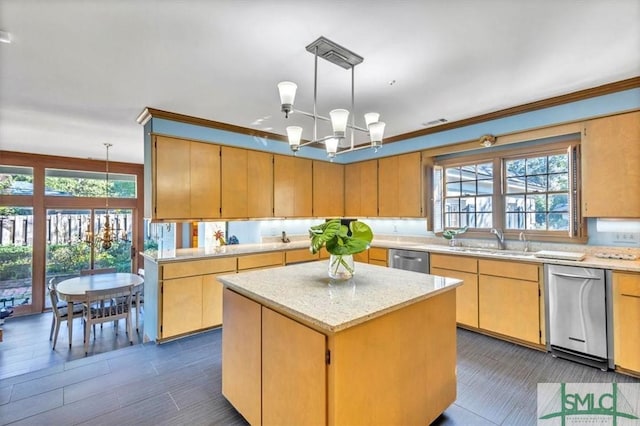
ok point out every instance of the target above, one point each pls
(361, 231)
(321, 234)
(335, 237)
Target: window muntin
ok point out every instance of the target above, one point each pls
(16, 180)
(468, 196)
(75, 183)
(537, 192)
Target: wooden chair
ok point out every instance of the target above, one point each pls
(60, 312)
(105, 306)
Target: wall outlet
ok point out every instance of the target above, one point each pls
(626, 237)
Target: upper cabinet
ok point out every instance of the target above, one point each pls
(247, 183)
(292, 183)
(400, 186)
(361, 189)
(611, 166)
(185, 180)
(328, 189)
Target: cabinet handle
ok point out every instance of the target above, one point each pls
(635, 296)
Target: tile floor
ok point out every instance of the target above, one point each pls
(178, 383)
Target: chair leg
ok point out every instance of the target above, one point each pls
(57, 329)
(53, 324)
(87, 335)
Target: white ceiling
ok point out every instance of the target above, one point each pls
(78, 73)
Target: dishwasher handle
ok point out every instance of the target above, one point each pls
(576, 276)
(397, 256)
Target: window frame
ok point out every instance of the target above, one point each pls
(577, 232)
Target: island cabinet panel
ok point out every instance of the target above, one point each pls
(466, 269)
(328, 189)
(375, 379)
(299, 255)
(181, 306)
(626, 321)
(400, 186)
(610, 178)
(294, 378)
(242, 355)
(292, 184)
(378, 256)
(185, 179)
(361, 189)
(509, 299)
(247, 183)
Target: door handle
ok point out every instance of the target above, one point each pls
(581, 277)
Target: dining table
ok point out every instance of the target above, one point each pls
(74, 289)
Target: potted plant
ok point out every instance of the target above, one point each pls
(450, 234)
(342, 243)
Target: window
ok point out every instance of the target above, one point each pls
(529, 189)
(537, 193)
(468, 196)
(15, 180)
(73, 183)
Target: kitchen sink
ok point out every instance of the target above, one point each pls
(491, 251)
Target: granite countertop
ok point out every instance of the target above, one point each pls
(590, 261)
(305, 292)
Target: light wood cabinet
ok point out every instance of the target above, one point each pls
(378, 256)
(292, 183)
(328, 189)
(626, 321)
(247, 183)
(299, 255)
(509, 299)
(260, 260)
(185, 180)
(611, 166)
(400, 186)
(361, 189)
(191, 297)
(466, 269)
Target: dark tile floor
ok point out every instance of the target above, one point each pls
(178, 383)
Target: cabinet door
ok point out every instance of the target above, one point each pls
(205, 181)
(241, 355)
(171, 178)
(361, 189)
(292, 186)
(234, 182)
(510, 307)
(294, 378)
(400, 186)
(626, 320)
(466, 295)
(611, 167)
(211, 301)
(181, 306)
(259, 184)
(328, 189)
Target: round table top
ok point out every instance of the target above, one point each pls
(75, 288)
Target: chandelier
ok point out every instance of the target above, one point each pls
(106, 236)
(339, 118)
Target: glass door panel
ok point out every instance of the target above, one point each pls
(118, 255)
(16, 256)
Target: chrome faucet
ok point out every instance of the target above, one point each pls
(499, 236)
(284, 238)
(523, 238)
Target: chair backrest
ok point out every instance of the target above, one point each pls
(109, 304)
(97, 271)
(53, 294)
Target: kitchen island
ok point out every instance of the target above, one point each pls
(299, 349)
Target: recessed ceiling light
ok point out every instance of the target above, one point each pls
(5, 36)
(435, 122)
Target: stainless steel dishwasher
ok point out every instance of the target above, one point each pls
(409, 260)
(578, 316)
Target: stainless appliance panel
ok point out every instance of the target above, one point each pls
(409, 260)
(577, 311)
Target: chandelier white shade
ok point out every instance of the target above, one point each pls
(339, 117)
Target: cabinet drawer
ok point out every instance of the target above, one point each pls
(261, 260)
(363, 256)
(300, 255)
(377, 253)
(517, 270)
(626, 284)
(198, 267)
(455, 263)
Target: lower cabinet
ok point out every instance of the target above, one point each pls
(509, 299)
(299, 256)
(626, 321)
(260, 260)
(378, 256)
(466, 269)
(191, 297)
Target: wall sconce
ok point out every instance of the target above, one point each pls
(488, 140)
